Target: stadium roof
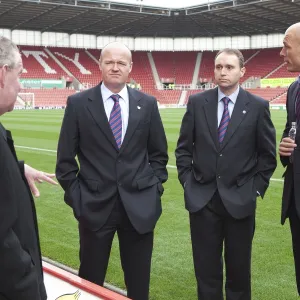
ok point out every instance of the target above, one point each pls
(221, 18)
(168, 3)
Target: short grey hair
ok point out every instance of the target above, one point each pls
(8, 51)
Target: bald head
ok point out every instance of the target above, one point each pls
(291, 48)
(116, 46)
(115, 65)
(295, 28)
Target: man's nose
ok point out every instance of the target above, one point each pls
(223, 71)
(115, 67)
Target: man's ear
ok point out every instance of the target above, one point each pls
(3, 71)
(243, 71)
(99, 64)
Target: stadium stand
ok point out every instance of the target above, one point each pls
(282, 72)
(281, 99)
(206, 72)
(268, 93)
(50, 97)
(178, 65)
(263, 63)
(191, 92)
(38, 64)
(258, 63)
(80, 64)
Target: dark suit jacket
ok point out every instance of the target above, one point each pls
(292, 172)
(238, 168)
(21, 275)
(135, 172)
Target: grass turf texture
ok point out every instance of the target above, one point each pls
(172, 269)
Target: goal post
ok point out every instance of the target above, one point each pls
(25, 101)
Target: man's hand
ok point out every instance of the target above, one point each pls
(286, 146)
(33, 176)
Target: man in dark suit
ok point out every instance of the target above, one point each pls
(21, 275)
(225, 157)
(288, 150)
(117, 134)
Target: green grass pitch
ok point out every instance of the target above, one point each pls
(172, 268)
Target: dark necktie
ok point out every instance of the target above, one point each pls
(224, 121)
(297, 100)
(115, 120)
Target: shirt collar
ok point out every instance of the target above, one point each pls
(232, 97)
(106, 93)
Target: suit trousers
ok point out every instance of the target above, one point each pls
(295, 231)
(135, 253)
(211, 227)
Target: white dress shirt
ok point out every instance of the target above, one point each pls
(231, 103)
(124, 105)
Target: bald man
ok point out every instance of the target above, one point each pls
(288, 150)
(117, 135)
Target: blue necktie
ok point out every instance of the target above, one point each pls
(224, 121)
(115, 120)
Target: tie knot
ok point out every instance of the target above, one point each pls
(115, 97)
(226, 100)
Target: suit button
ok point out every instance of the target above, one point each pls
(119, 160)
(219, 176)
(221, 154)
(119, 184)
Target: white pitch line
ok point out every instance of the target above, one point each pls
(37, 149)
(54, 151)
(171, 167)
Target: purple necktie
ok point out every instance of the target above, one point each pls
(297, 106)
(115, 120)
(224, 121)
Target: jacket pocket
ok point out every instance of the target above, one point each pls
(92, 185)
(160, 188)
(244, 179)
(147, 181)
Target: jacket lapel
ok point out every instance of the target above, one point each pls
(6, 134)
(239, 113)
(211, 113)
(134, 116)
(3, 132)
(11, 146)
(292, 103)
(96, 108)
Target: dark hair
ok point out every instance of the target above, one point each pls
(235, 52)
(8, 51)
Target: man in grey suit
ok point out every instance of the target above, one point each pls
(291, 191)
(117, 134)
(226, 154)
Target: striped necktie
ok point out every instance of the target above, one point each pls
(115, 120)
(224, 121)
